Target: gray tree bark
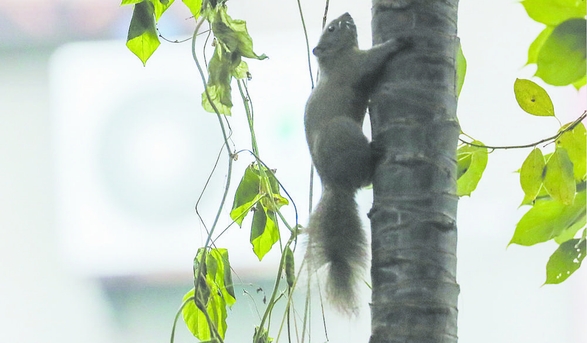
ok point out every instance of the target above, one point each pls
(413, 219)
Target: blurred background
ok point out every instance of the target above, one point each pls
(102, 161)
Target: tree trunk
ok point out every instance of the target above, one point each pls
(413, 219)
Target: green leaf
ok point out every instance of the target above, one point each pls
(194, 318)
(532, 98)
(558, 177)
(461, 69)
(261, 336)
(160, 7)
(264, 231)
(547, 219)
(554, 12)
(575, 143)
(218, 280)
(259, 188)
(537, 44)
(197, 322)
(130, 2)
(571, 231)
(471, 163)
(269, 185)
(565, 261)
(195, 7)
(142, 37)
(221, 275)
(561, 61)
(254, 187)
(247, 194)
(531, 175)
(580, 83)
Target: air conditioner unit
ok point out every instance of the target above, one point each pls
(133, 149)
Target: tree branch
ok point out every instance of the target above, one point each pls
(531, 145)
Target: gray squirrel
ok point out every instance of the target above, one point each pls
(342, 155)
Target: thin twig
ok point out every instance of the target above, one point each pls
(530, 145)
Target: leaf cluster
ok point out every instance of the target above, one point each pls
(205, 305)
(232, 42)
(258, 193)
(553, 184)
(554, 188)
(142, 39)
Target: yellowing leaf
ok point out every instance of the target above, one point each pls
(558, 177)
(471, 162)
(561, 60)
(218, 86)
(241, 71)
(565, 261)
(233, 34)
(531, 175)
(532, 98)
(547, 219)
(575, 143)
(232, 43)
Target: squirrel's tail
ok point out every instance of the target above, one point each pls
(337, 240)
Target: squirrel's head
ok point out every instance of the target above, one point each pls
(340, 34)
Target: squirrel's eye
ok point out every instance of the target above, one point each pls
(331, 28)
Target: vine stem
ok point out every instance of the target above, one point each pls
(177, 316)
(224, 135)
(199, 270)
(263, 171)
(530, 145)
(250, 115)
(308, 55)
(272, 299)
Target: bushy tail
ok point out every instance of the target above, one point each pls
(338, 241)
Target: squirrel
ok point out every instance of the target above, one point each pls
(342, 155)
